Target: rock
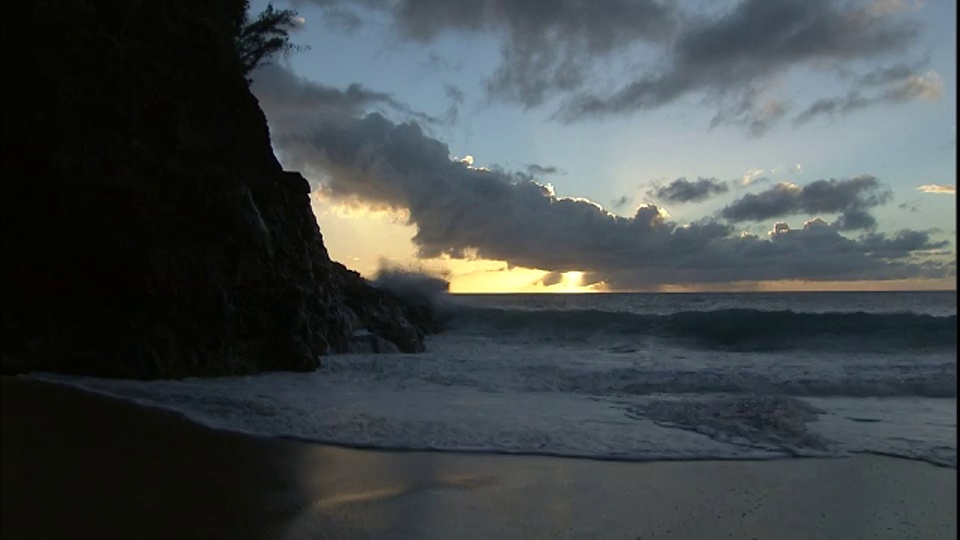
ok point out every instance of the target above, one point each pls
(379, 311)
(366, 343)
(148, 229)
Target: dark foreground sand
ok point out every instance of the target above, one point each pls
(82, 466)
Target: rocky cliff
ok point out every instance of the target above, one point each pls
(148, 229)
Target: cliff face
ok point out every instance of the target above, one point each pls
(148, 229)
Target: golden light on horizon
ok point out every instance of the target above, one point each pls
(363, 237)
(572, 281)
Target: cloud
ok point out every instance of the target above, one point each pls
(283, 94)
(750, 112)
(464, 211)
(732, 57)
(885, 75)
(849, 197)
(279, 90)
(928, 87)
(621, 202)
(794, 169)
(342, 19)
(938, 188)
(551, 278)
(682, 190)
(541, 170)
(910, 206)
(436, 62)
(456, 97)
(546, 46)
(751, 177)
(453, 93)
(855, 219)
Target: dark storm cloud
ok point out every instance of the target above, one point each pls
(682, 190)
(899, 244)
(463, 211)
(730, 58)
(855, 219)
(849, 197)
(815, 252)
(546, 46)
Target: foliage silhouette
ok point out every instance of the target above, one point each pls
(269, 34)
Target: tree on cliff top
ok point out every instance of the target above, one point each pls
(267, 35)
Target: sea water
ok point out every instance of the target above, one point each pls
(621, 376)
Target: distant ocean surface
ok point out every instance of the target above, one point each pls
(622, 376)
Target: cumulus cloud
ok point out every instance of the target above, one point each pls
(851, 198)
(464, 211)
(938, 188)
(682, 190)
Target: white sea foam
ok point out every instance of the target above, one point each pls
(470, 393)
(616, 396)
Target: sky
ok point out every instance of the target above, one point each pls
(626, 145)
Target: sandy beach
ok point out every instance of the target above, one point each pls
(80, 465)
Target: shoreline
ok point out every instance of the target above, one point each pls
(77, 463)
(590, 458)
(147, 404)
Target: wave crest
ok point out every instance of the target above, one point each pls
(728, 329)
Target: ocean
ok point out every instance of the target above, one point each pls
(621, 376)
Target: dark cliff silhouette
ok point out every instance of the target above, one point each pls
(148, 228)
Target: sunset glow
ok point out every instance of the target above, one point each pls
(667, 177)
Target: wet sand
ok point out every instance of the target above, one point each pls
(76, 465)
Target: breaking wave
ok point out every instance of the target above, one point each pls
(413, 286)
(727, 329)
(665, 378)
(929, 381)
